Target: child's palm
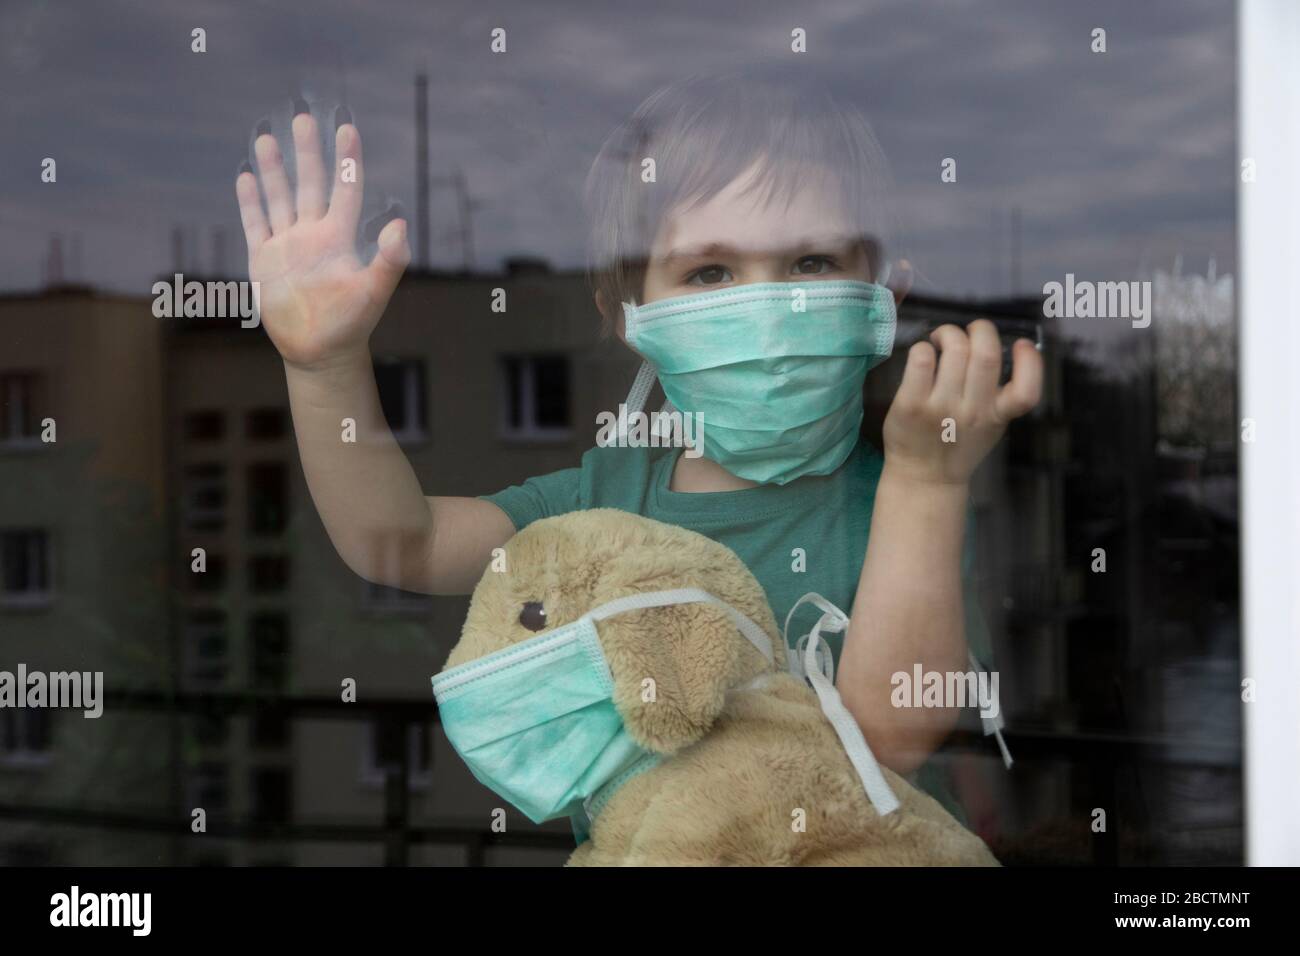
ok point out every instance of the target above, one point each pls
(317, 300)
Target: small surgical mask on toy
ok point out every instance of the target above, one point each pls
(536, 722)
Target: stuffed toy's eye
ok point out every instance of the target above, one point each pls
(533, 616)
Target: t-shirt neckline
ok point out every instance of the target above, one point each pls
(725, 504)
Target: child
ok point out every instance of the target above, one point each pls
(756, 190)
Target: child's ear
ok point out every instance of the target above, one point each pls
(612, 314)
(900, 281)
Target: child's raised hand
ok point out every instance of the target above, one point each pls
(949, 411)
(318, 302)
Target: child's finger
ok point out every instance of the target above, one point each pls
(391, 260)
(270, 166)
(311, 167)
(256, 231)
(1025, 387)
(985, 362)
(918, 377)
(953, 352)
(345, 203)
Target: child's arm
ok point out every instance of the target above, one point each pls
(319, 304)
(908, 608)
(369, 499)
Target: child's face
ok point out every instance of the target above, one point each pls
(737, 238)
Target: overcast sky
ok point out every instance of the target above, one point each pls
(1115, 160)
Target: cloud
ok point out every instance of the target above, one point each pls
(1104, 154)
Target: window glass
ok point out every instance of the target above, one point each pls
(259, 504)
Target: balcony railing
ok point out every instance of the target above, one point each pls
(1102, 757)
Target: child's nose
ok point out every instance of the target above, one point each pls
(767, 271)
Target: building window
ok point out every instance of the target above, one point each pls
(268, 498)
(535, 395)
(204, 497)
(269, 637)
(27, 854)
(212, 579)
(18, 399)
(268, 573)
(383, 753)
(25, 737)
(381, 597)
(270, 728)
(210, 787)
(207, 649)
(26, 575)
(272, 795)
(207, 425)
(401, 395)
(390, 564)
(266, 424)
(211, 730)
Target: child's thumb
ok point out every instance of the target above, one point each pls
(393, 256)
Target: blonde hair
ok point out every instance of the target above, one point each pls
(704, 132)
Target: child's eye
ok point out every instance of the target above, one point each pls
(709, 275)
(814, 265)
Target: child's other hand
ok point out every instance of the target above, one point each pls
(318, 302)
(949, 411)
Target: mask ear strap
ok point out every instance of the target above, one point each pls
(641, 386)
(636, 398)
(633, 602)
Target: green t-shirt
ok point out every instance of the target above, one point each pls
(807, 535)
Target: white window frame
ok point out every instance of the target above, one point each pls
(1268, 36)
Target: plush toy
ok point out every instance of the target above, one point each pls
(629, 674)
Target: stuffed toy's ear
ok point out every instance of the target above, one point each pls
(672, 668)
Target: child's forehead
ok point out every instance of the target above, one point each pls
(744, 215)
(696, 232)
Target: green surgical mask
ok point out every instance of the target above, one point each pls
(775, 369)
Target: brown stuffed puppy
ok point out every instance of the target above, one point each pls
(750, 771)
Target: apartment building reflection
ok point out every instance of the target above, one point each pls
(174, 436)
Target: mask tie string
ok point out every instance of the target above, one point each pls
(834, 621)
(993, 725)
